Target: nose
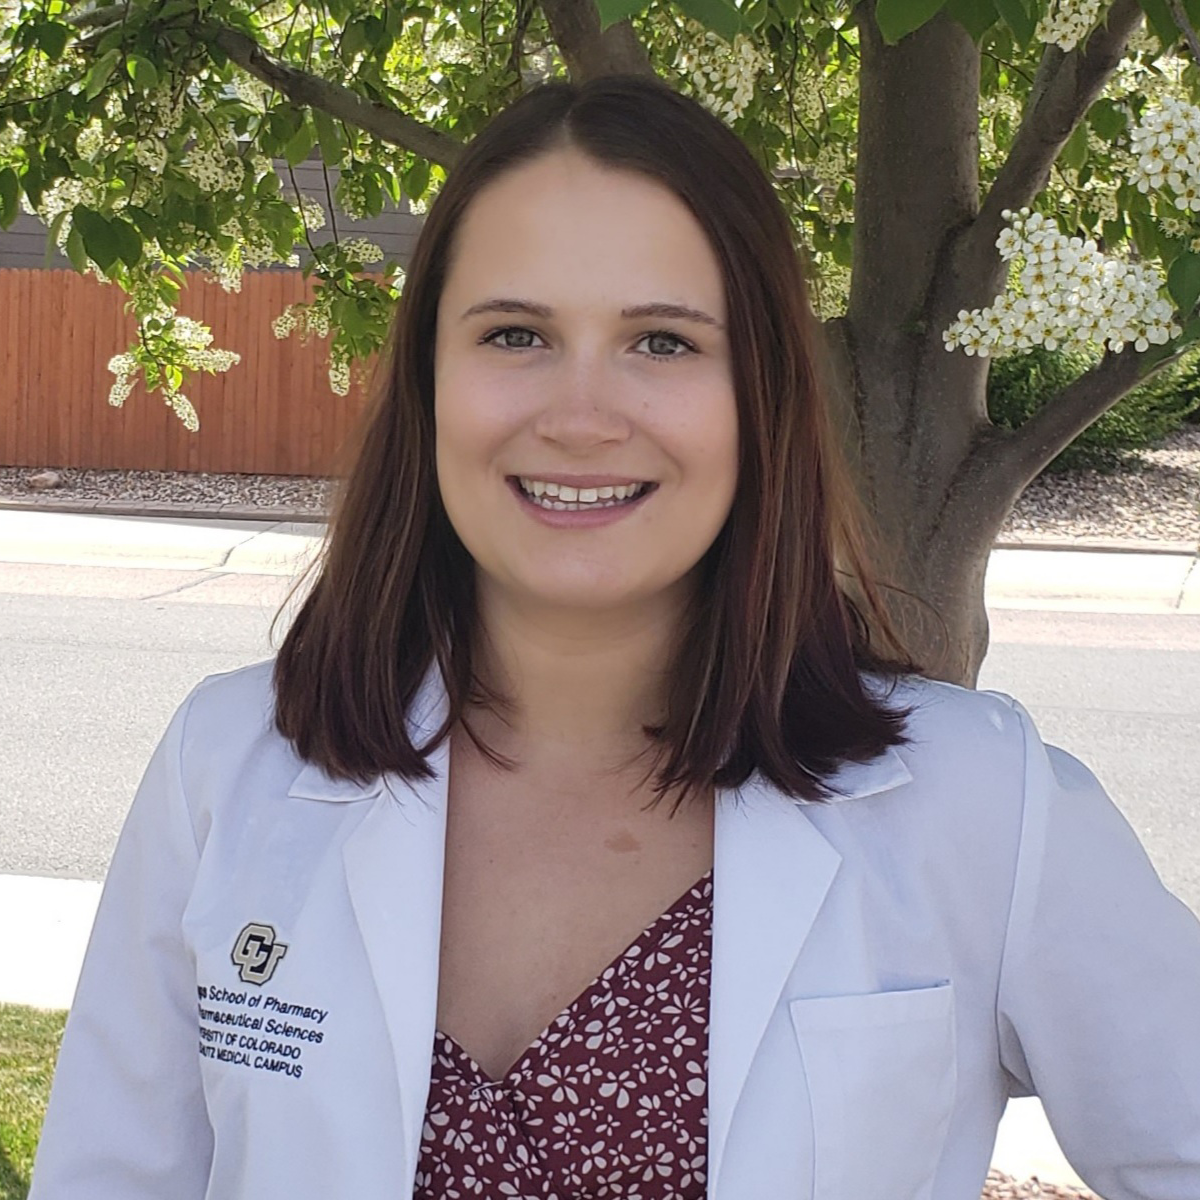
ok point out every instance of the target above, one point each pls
(584, 403)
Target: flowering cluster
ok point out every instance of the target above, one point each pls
(1068, 294)
(181, 343)
(214, 168)
(1069, 22)
(306, 319)
(1166, 151)
(722, 74)
(150, 153)
(90, 141)
(165, 109)
(339, 370)
(250, 91)
(351, 196)
(311, 211)
(362, 250)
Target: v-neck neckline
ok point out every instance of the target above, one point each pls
(647, 935)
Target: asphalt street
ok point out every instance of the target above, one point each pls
(96, 659)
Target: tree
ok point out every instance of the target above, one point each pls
(966, 177)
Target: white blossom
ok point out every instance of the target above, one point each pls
(723, 75)
(363, 249)
(215, 168)
(1070, 22)
(1165, 152)
(1065, 293)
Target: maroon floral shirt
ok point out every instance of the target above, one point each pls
(610, 1101)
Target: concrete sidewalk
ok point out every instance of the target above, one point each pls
(44, 923)
(1080, 580)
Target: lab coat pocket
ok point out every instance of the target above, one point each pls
(881, 1075)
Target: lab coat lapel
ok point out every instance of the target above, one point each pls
(394, 865)
(771, 872)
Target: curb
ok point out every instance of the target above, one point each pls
(243, 512)
(139, 508)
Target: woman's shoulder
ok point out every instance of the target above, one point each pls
(226, 728)
(965, 753)
(238, 701)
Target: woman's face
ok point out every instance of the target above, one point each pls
(582, 340)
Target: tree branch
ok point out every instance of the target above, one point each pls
(588, 53)
(1066, 86)
(1179, 14)
(1020, 455)
(304, 88)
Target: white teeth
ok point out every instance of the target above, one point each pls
(562, 497)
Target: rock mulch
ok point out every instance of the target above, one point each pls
(1004, 1187)
(1153, 497)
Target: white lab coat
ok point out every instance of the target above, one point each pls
(972, 920)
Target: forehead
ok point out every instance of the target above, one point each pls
(566, 224)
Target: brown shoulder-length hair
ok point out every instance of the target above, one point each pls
(767, 673)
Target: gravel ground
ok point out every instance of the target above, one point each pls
(1154, 496)
(1004, 1187)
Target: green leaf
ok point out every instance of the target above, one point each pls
(329, 136)
(1145, 233)
(898, 18)
(10, 190)
(127, 241)
(52, 37)
(98, 238)
(718, 15)
(416, 179)
(843, 244)
(1158, 16)
(1107, 119)
(975, 16)
(75, 250)
(99, 75)
(300, 145)
(142, 71)
(612, 11)
(1074, 153)
(52, 237)
(1183, 281)
(1019, 19)
(142, 220)
(354, 40)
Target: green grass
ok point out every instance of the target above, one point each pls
(29, 1040)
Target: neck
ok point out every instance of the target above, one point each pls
(582, 684)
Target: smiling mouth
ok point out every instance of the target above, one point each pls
(551, 496)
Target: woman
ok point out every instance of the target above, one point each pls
(582, 841)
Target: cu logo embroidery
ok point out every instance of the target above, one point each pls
(256, 954)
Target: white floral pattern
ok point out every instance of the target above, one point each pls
(609, 1103)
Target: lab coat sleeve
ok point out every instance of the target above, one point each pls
(126, 1119)
(1099, 999)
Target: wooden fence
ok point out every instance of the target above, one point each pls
(272, 413)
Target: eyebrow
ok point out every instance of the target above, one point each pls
(656, 308)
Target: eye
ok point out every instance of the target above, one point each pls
(498, 336)
(665, 339)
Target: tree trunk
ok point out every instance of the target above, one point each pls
(914, 413)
